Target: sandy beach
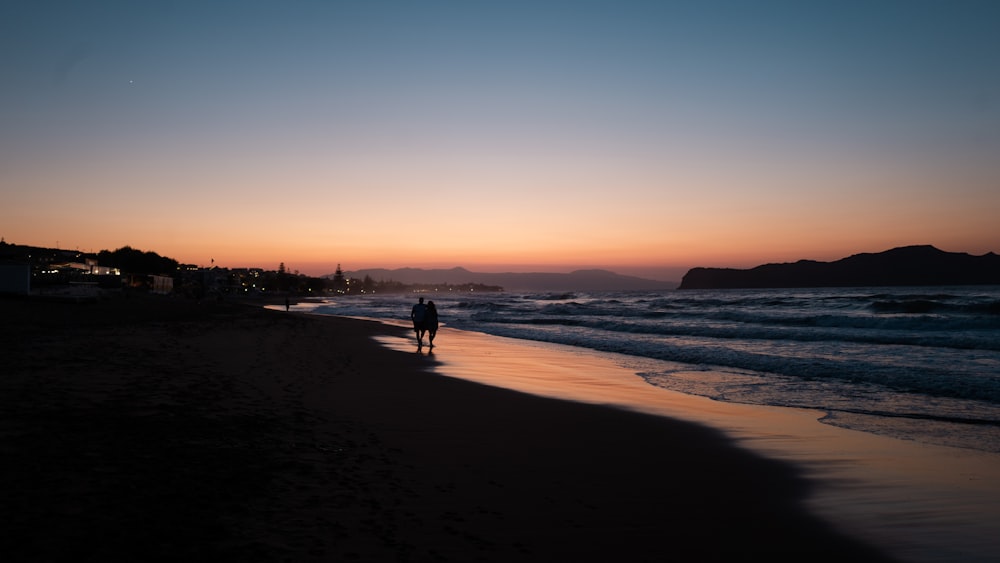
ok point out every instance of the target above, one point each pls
(156, 429)
(918, 502)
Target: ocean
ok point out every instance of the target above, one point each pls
(916, 363)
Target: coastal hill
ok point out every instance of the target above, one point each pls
(580, 280)
(909, 265)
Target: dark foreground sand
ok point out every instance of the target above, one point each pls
(159, 429)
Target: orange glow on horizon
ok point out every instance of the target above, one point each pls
(650, 149)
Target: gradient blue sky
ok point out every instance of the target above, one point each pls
(643, 137)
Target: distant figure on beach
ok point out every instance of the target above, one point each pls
(431, 322)
(287, 304)
(419, 315)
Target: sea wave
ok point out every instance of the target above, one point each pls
(948, 333)
(877, 358)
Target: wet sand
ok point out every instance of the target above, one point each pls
(916, 501)
(156, 429)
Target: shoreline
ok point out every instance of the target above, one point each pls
(155, 428)
(921, 501)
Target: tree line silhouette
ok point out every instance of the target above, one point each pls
(136, 266)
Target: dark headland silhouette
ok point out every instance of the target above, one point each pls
(904, 266)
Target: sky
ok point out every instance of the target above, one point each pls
(643, 137)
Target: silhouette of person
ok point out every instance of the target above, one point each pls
(431, 322)
(418, 315)
(287, 304)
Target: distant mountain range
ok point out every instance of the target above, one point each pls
(909, 265)
(580, 280)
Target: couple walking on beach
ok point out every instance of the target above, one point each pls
(425, 319)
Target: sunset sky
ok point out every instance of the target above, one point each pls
(645, 137)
